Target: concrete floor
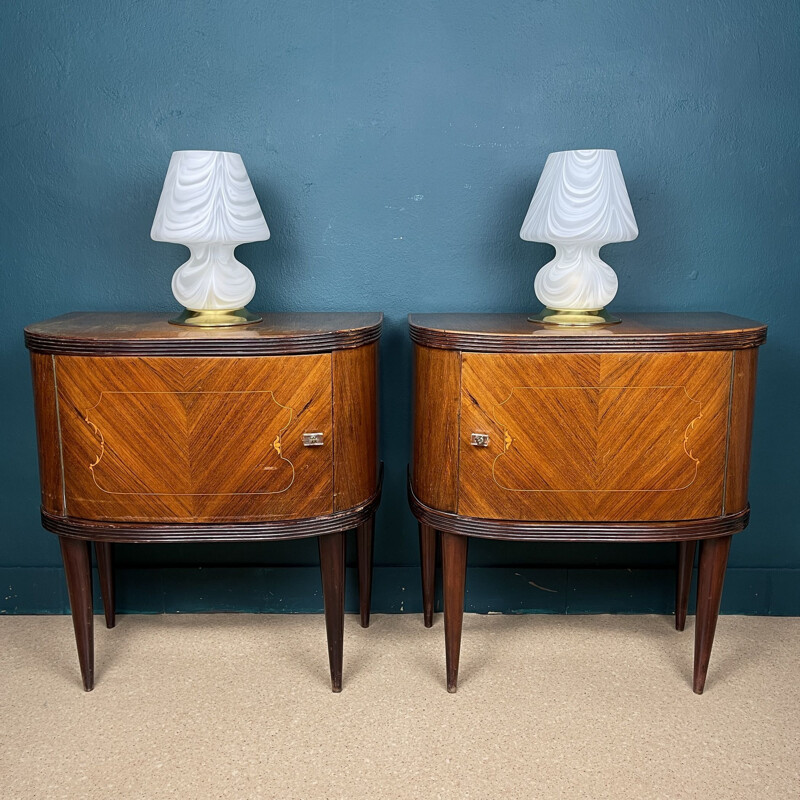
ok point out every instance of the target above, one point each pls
(239, 706)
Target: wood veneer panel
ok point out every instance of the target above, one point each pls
(184, 439)
(47, 436)
(355, 425)
(105, 334)
(743, 395)
(437, 386)
(594, 436)
(660, 332)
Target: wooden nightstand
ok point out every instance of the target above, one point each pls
(635, 432)
(150, 432)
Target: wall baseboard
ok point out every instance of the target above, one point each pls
(296, 590)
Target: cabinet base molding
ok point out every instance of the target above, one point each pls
(526, 530)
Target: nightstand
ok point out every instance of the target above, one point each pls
(150, 432)
(636, 432)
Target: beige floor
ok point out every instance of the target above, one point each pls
(238, 706)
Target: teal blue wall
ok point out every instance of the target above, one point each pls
(394, 147)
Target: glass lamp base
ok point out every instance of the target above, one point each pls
(576, 319)
(216, 318)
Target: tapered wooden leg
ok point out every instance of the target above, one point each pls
(365, 538)
(78, 570)
(332, 566)
(454, 575)
(427, 556)
(105, 568)
(710, 577)
(683, 584)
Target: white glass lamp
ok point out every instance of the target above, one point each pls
(580, 204)
(208, 204)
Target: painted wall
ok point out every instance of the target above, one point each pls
(394, 147)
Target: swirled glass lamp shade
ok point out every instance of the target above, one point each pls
(580, 204)
(208, 204)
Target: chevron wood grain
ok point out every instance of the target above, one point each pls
(631, 432)
(594, 436)
(195, 439)
(149, 432)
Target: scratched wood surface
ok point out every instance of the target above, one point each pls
(195, 439)
(147, 333)
(648, 332)
(590, 436)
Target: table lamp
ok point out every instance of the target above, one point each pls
(580, 204)
(208, 204)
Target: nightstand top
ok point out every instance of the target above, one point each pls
(638, 332)
(150, 334)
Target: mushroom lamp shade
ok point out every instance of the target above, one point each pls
(208, 204)
(580, 204)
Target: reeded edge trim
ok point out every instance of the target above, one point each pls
(519, 530)
(261, 346)
(267, 530)
(566, 343)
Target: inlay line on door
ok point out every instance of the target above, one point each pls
(586, 430)
(269, 472)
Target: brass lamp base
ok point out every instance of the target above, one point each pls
(216, 318)
(576, 319)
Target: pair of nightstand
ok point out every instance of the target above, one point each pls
(635, 432)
